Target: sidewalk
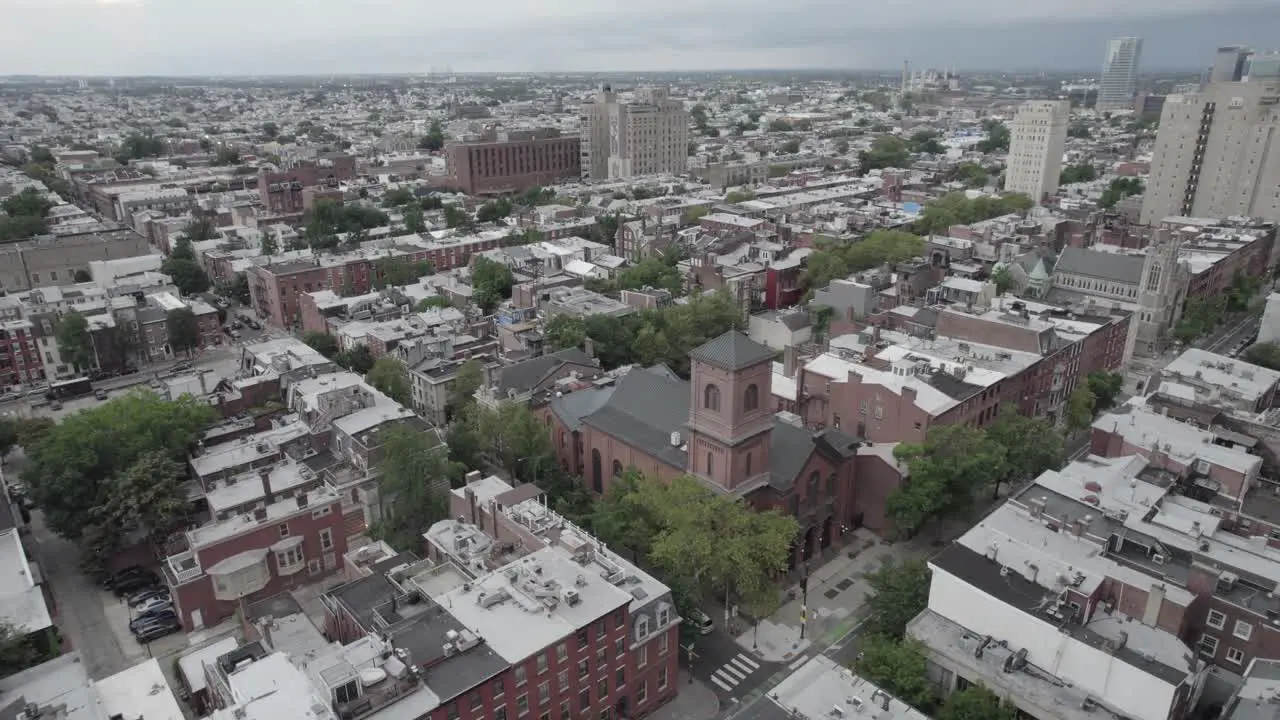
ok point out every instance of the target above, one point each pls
(837, 590)
(695, 701)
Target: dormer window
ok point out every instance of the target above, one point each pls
(642, 627)
(664, 616)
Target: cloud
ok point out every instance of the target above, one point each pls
(336, 36)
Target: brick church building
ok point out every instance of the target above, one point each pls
(721, 428)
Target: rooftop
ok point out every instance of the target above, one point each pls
(821, 689)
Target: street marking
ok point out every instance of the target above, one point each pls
(798, 662)
(733, 672)
(717, 681)
(745, 664)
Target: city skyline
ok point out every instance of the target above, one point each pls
(160, 37)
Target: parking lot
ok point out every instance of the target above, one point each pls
(119, 614)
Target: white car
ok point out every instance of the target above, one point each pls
(156, 603)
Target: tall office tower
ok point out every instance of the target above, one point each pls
(1229, 64)
(646, 136)
(1119, 74)
(1217, 153)
(1037, 139)
(594, 127)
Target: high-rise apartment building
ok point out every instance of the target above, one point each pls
(1217, 153)
(1119, 74)
(1229, 64)
(1038, 137)
(645, 136)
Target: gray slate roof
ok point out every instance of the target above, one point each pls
(575, 406)
(1113, 267)
(790, 448)
(525, 375)
(733, 351)
(643, 410)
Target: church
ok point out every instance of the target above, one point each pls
(723, 426)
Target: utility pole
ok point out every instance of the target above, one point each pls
(804, 602)
(692, 656)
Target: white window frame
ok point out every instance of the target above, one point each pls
(1235, 656)
(1221, 620)
(1210, 640)
(326, 539)
(1248, 630)
(642, 656)
(290, 559)
(642, 627)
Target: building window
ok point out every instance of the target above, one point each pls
(326, 539)
(619, 647)
(522, 706)
(564, 710)
(289, 559)
(1216, 620)
(642, 656)
(662, 678)
(664, 644)
(1208, 645)
(602, 688)
(617, 468)
(620, 677)
(1243, 630)
(562, 652)
(313, 567)
(476, 700)
(562, 678)
(664, 616)
(284, 529)
(584, 699)
(1235, 656)
(520, 675)
(642, 627)
(711, 397)
(542, 662)
(583, 669)
(500, 713)
(748, 468)
(751, 398)
(710, 464)
(544, 693)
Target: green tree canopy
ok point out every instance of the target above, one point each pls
(1078, 414)
(565, 331)
(321, 342)
(1106, 387)
(1119, 189)
(435, 301)
(976, 703)
(183, 330)
(492, 282)
(1031, 446)
(466, 382)
(82, 465)
(899, 668)
(946, 471)
(957, 209)
(899, 592)
(391, 377)
(357, 359)
(887, 151)
(1084, 172)
(414, 474)
(835, 260)
(1265, 355)
(75, 343)
(997, 139)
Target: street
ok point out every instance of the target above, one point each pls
(721, 663)
(1233, 338)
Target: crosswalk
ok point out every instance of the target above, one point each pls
(734, 672)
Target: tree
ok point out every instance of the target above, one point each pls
(1003, 278)
(184, 330)
(1079, 130)
(29, 201)
(946, 470)
(148, 495)
(734, 197)
(622, 519)
(976, 703)
(1265, 355)
(434, 139)
(565, 331)
(414, 474)
(397, 197)
(357, 359)
(958, 209)
(971, 174)
(270, 244)
(1031, 446)
(836, 260)
(238, 289)
(20, 650)
(435, 301)
(492, 282)
(900, 668)
(997, 139)
(1119, 189)
(716, 542)
(226, 156)
(493, 210)
(198, 230)
(74, 470)
(270, 129)
(926, 142)
(414, 222)
(899, 592)
(512, 438)
(389, 376)
(1078, 414)
(75, 343)
(466, 382)
(887, 151)
(820, 321)
(1078, 173)
(456, 217)
(32, 430)
(187, 276)
(780, 125)
(790, 147)
(394, 272)
(1106, 387)
(321, 342)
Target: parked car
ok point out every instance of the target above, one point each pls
(108, 580)
(142, 596)
(155, 631)
(152, 618)
(100, 394)
(702, 623)
(182, 366)
(55, 405)
(133, 584)
(153, 604)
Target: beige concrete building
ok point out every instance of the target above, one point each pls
(1217, 155)
(1038, 136)
(54, 260)
(645, 136)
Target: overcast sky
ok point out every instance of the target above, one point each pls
(187, 37)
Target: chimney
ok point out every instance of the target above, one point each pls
(589, 347)
(1155, 598)
(471, 499)
(264, 474)
(875, 334)
(1078, 526)
(789, 361)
